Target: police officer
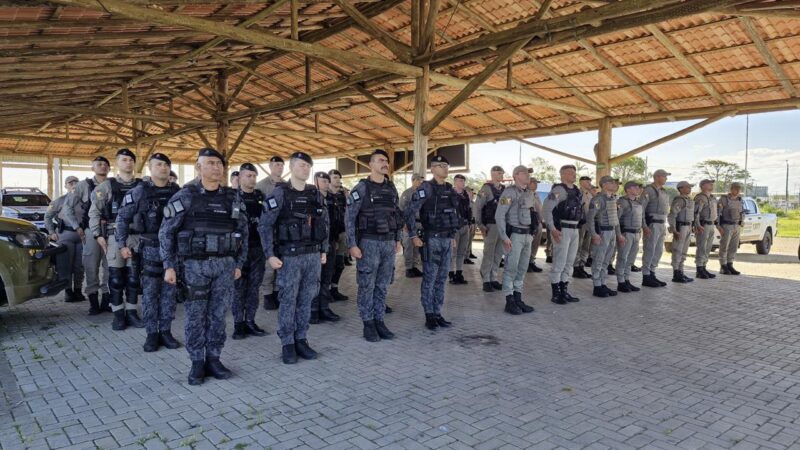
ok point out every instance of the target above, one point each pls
(705, 221)
(140, 215)
(294, 232)
(341, 251)
(473, 227)
(245, 303)
(731, 217)
(234, 181)
(410, 252)
(513, 220)
(76, 217)
(205, 229)
(631, 220)
(584, 255)
(536, 225)
(563, 215)
(437, 204)
(123, 273)
(320, 306)
(68, 263)
(485, 208)
(373, 223)
(173, 178)
(266, 186)
(461, 250)
(603, 224)
(655, 201)
(681, 221)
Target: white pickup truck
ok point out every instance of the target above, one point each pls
(758, 228)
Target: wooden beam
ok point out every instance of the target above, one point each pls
(556, 152)
(288, 132)
(543, 9)
(203, 138)
(399, 49)
(564, 83)
(603, 149)
(385, 108)
(429, 29)
(295, 33)
(103, 112)
(670, 137)
(420, 110)
(241, 136)
(223, 124)
(763, 50)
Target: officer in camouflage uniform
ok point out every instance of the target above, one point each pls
(485, 208)
(584, 255)
(294, 232)
(603, 224)
(266, 186)
(76, 217)
(340, 250)
(461, 250)
(731, 217)
(681, 221)
(373, 223)
(513, 219)
(123, 272)
(320, 306)
(437, 204)
(655, 202)
(173, 178)
(563, 215)
(410, 252)
(631, 220)
(705, 221)
(141, 215)
(205, 229)
(234, 180)
(68, 263)
(536, 225)
(245, 303)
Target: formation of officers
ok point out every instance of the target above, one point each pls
(211, 247)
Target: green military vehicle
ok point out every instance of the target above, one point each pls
(26, 267)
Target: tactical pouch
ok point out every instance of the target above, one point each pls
(154, 269)
(197, 292)
(185, 243)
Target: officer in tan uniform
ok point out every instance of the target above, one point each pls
(705, 222)
(731, 217)
(536, 225)
(681, 219)
(485, 208)
(585, 245)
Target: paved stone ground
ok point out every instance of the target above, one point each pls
(714, 364)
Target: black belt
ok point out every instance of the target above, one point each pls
(570, 225)
(605, 227)
(518, 230)
(708, 222)
(148, 240)
(378, 237)
(631, 230)
(294, 250)
(438, 234)
(683, 224)
(656, 220)
(725, 222)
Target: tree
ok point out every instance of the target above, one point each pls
(582, 169)
(475, 182)
(631, 169)
(723, 172)
(543, 170)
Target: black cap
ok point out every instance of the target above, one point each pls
(322, 175)
(585, 178)
(248, 166)
(208, 151)
(460, 177)
(440, 159)
(173, 174)
(335, 172)
(379, 151)
(101, 159)
(160, 157)
(276, 159)
(235, 173)
(303, 156)
(126, 152)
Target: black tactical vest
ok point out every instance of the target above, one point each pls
(85, 205)
(254, 205)
(439, 213)
(487, 213)
(118, 191)
(337, 208)
(571, 208)
(209, 227)
(465, 207)
(380, 214)
(148, 218)
(300, 224)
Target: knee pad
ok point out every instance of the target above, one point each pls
(133, 279)
(116, 278)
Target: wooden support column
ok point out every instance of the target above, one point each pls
(223, 124)
(603, 150)
(420, 109)
(50, 176)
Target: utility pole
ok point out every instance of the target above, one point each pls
(786, 205)
(746, 151)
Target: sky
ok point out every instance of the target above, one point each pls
(774, 139)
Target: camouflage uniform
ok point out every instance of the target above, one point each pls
(76, 215)
(245, 303)
(68, 264)
(410, 253)
(266, 186)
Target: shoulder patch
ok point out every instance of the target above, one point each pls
(128, 199)
(177, 205)
(421, 192)
(272, 203)
(355, 196)
(505, 200)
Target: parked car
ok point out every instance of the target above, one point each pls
(25, 203)
(26, 263)
(758, 228)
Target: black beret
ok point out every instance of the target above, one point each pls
(322, 175)
(440, 159)
(173, 174)
(335, 172)
(459, 177)
(125, 152)
(160, 157)
(102, 159)
(276, 159)
(248, 166)
(235, 173)
(303, 156)
(585, 178)
(208, 151)
(380, 152)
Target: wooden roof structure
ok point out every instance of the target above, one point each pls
(340, 77)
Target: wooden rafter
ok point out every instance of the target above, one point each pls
(763, 50)
(399, 49)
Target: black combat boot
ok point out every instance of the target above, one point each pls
(442, 322)
(338, 296)
(532, 267)
(557, 298)
(487, 287)
(165, 338)
(685, 278)
(609, 291)
(565, 293)
(388, 309)
(79, 295)
(94, 306)
(105, 303)
(450, 276)
(635, 268)
(271, 301)
(383, 332)
(118, 324)
(598, 291)
(580, 273)
(548, 259)
(410, 273)
(632, 287)
(215, 369)
(610, 270)
(468, 261)
(151, 343)
(370, 332)
(660, 283)
(239, 332)
(623, 287)
(588, 262)
(289, 354)
(430, 322)
(650, 281)
(325, 311)
(511, 306)
(723, 269)
(520, 304)
(708, 274)
(303, 350)
(458, 278)
(69, 296)
(677, 277)
(197, 373)
(132, 318)
(731, 270)
(701, 274)
(497, 286)
(417, 272)
(253, 329)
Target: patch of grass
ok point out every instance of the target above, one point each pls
(567, 389)
(241, 446)
(59, 344)
(20, 435)
(36, 355)
(789, 226)
(224, 440)
(143, 440)
(190, 442)
(259, 420)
